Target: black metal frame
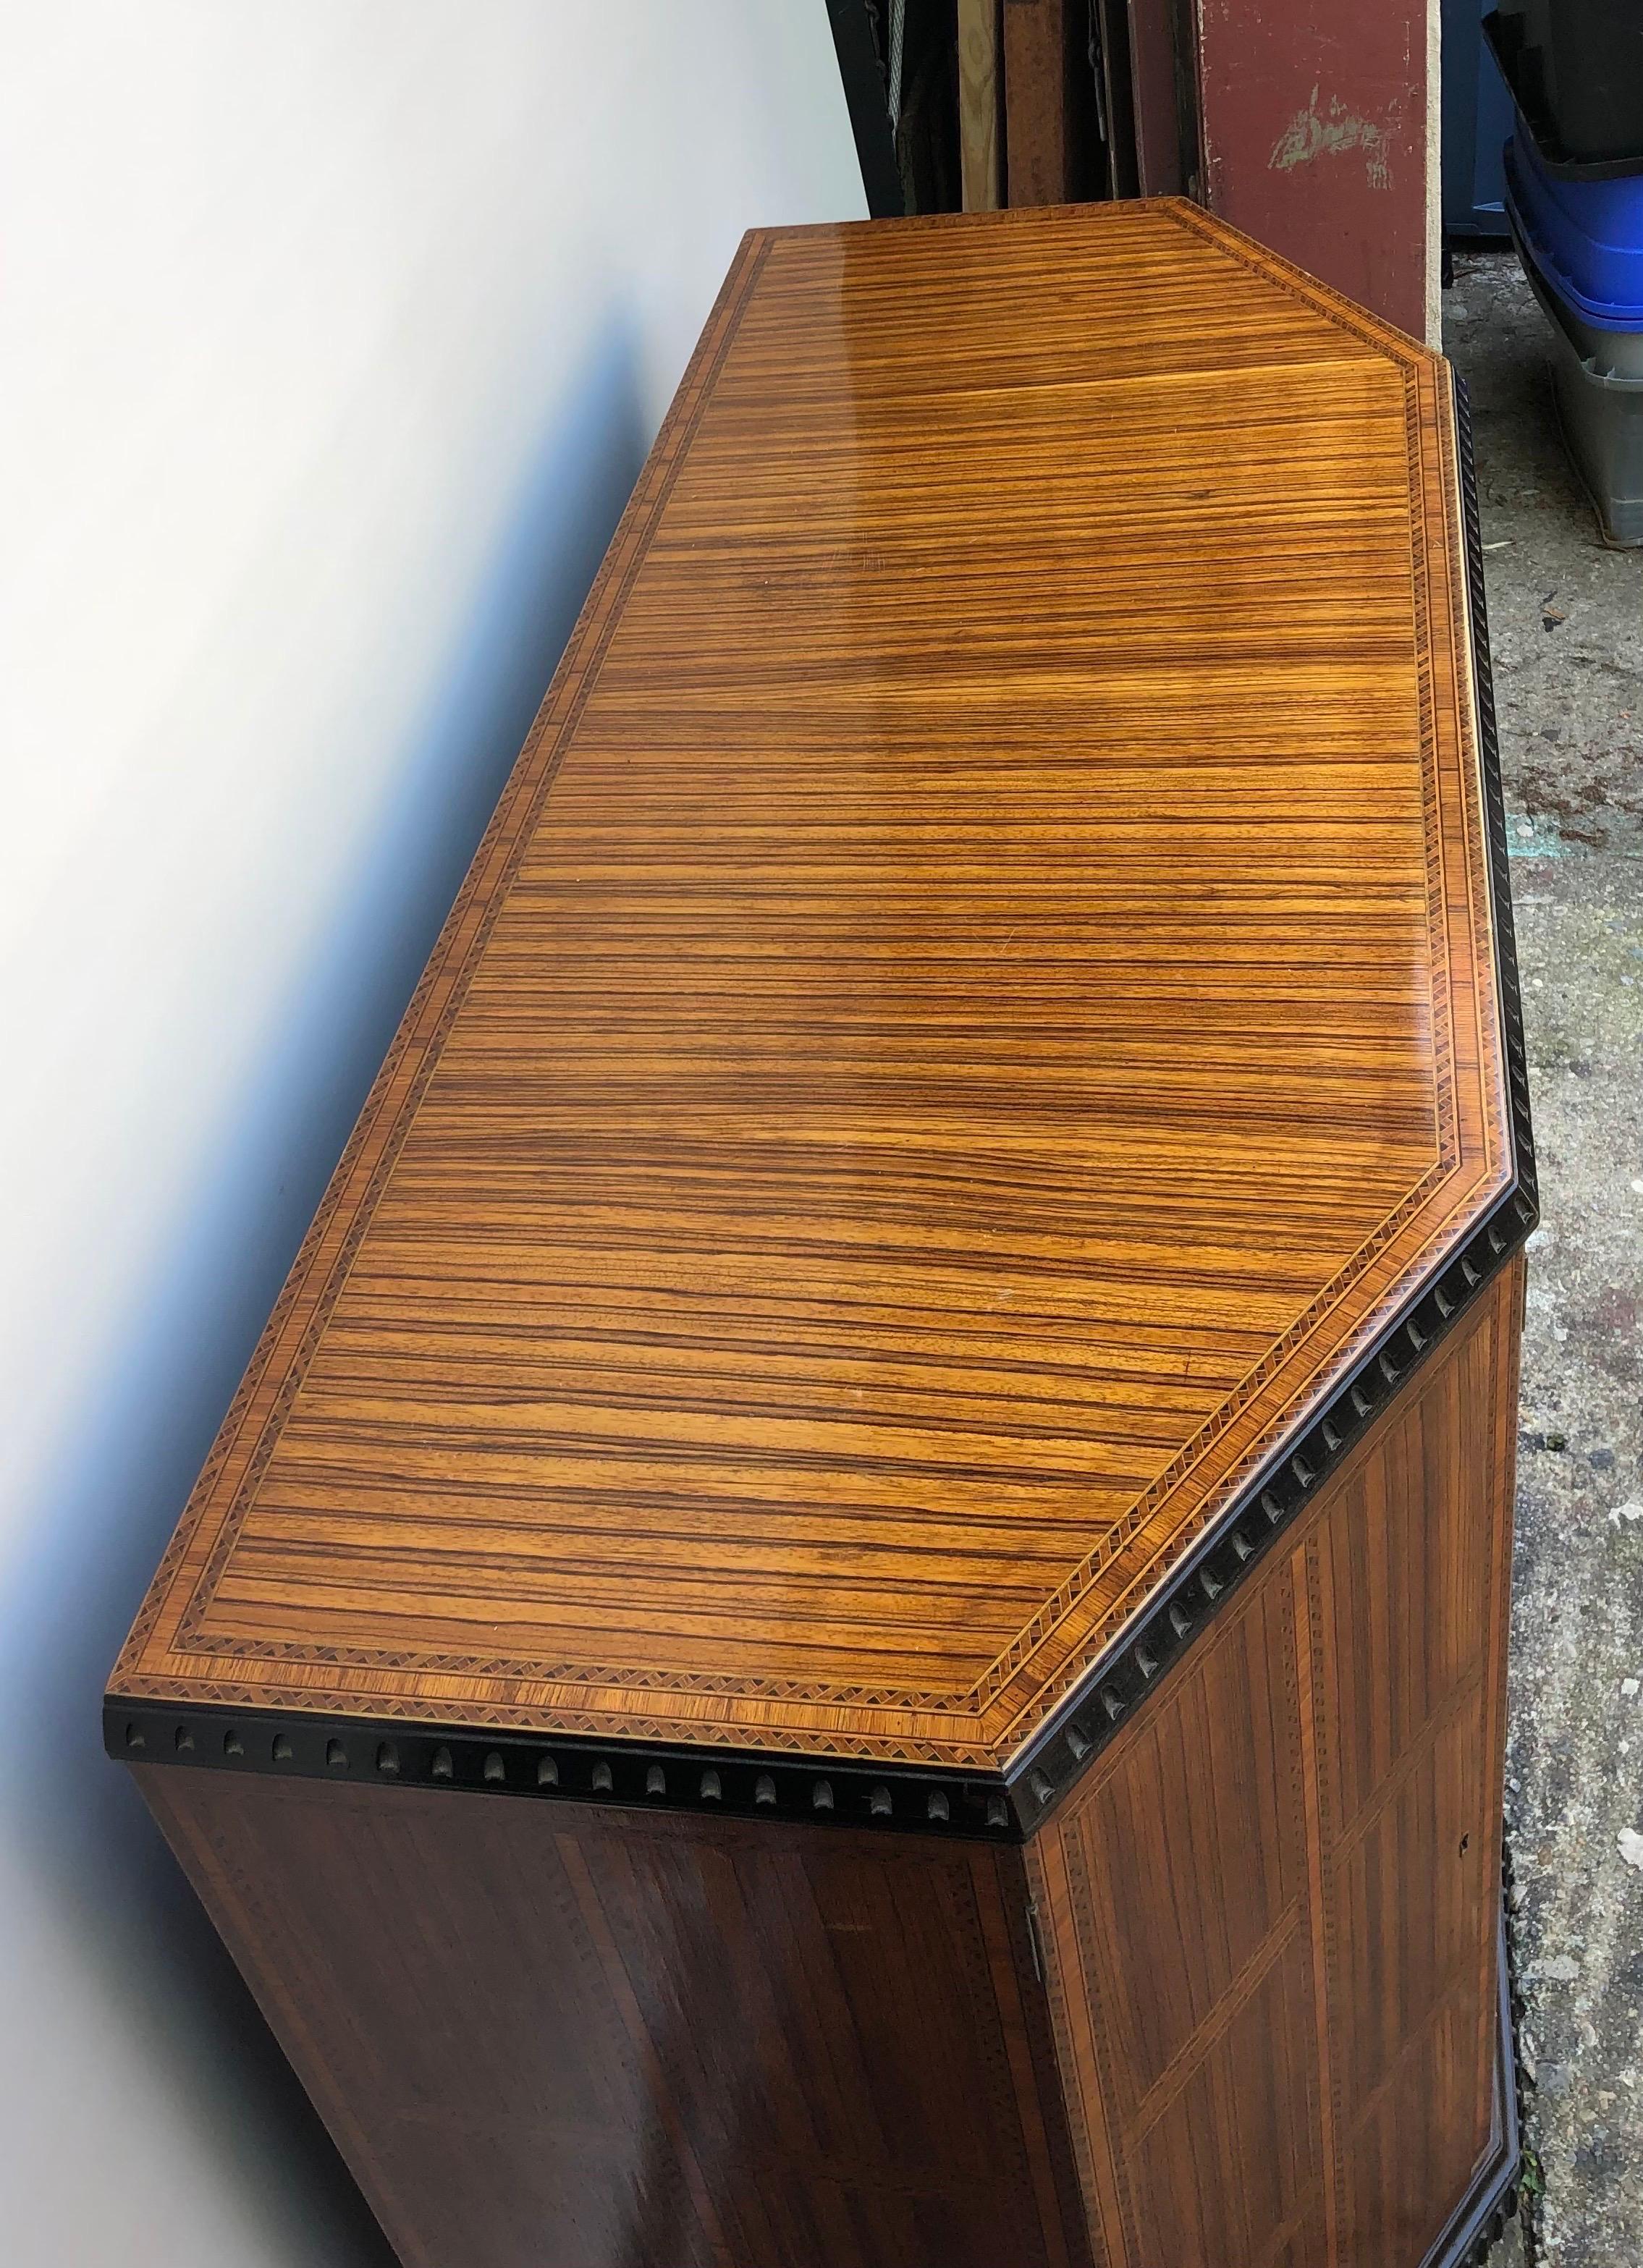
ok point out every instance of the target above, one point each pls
(860, 69)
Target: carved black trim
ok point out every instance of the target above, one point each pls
(1523, 2196)
(1526, 1190)
(1230, 1548)
(287, 1744)
(1062, 1752)
(1010, 1804)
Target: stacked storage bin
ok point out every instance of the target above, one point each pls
(1574, 199)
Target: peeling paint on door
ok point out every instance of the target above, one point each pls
(1318, 137)
(1312, 133)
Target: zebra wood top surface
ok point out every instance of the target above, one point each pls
(976, 1002)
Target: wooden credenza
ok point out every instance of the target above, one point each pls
(854, 1613)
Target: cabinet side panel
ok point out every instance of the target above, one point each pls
(1175, 1887)
(1271, 1912)
(1407, 1596)
(605, 2040)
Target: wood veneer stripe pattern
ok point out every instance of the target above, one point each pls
(646, 2039)
(1321, 1934)
(303, 1301)
(200, 1637)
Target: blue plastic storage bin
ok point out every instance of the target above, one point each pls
(1597, 382)
(1612, 353)
(1585, 229)
(1576, 68)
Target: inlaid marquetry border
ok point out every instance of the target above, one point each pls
(1021, 1710)
(325, 1256)
(1227, 1546)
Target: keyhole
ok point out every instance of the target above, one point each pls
(1465, 1839)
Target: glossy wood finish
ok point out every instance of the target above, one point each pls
(580, 2040)
(976, 1006)
(1270, 1910)
(969, 1066)
(1234, 2007)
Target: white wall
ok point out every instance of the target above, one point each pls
(333, 333)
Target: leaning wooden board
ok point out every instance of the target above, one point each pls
(854, 1611)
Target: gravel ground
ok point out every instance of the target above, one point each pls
(1566, 623)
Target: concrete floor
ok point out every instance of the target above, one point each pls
(1566, 623)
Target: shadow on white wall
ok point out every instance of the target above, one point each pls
(334, 337)
(175, 1358)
